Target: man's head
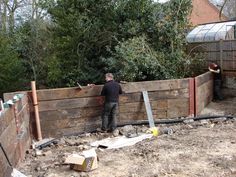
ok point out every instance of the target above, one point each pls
(212, 65)
(109, 76)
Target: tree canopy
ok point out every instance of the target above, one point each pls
(62, 42)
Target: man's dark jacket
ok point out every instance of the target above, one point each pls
(111, 91)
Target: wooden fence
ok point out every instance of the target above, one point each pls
(220, 52)
(67, 111)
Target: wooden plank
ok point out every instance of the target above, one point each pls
(95, 101)
(199, 80)
(139, 106)
(24, 140)
(157, 114)
(230, 73)
(233, 45)
(65, 93)
(23, 116)
(229, 65)
(6, 119)
(155, 95)
(70, 103)
(9, 141)
(68, 123)
(76, 128)
(97, 111)
(5, 169)
(227, 46)
(204, 94)
(155, 85)
(70, 113)
(228, 55)
(178, 108)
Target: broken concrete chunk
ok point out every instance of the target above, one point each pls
(127, 129)
(233, 170)
(38, 152)
(47, 153)
(70, 142)
(168, 131)
(188, 121)
(203, 122)
(115, 133)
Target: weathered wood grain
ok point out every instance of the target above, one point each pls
(70, 103)
(155, 85)
(6, 119)
(5, 169)
(155, 95)
(63, 93)
(178, 108)
(140, 107)
(203, 78)
(70, 113)
(212, 52)
(157, 114)
(204, 95)
(8, 138)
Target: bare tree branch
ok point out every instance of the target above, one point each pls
(221, 9)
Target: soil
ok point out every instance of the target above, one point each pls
(205, 148)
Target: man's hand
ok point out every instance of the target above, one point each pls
(90, 85)
(210, 69)
(214, 71)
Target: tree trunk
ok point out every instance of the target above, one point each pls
(4, 16)
(221, 9)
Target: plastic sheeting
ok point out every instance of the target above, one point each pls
(212, 32)
(121, 141)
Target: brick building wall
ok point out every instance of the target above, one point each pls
(204, 12)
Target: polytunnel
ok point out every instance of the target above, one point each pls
(213, 32)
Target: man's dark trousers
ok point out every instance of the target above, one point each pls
(217, 90)
(109, 116)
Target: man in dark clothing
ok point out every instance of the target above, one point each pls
(216, 70)
(111, 91)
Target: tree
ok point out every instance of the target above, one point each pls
(88, 31)
(135, 60)
(12, 70)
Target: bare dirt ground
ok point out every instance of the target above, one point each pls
(204, 148)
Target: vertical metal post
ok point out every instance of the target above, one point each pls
(221, 55)
(148, 109)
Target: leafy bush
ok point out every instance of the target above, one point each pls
(135, 60)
